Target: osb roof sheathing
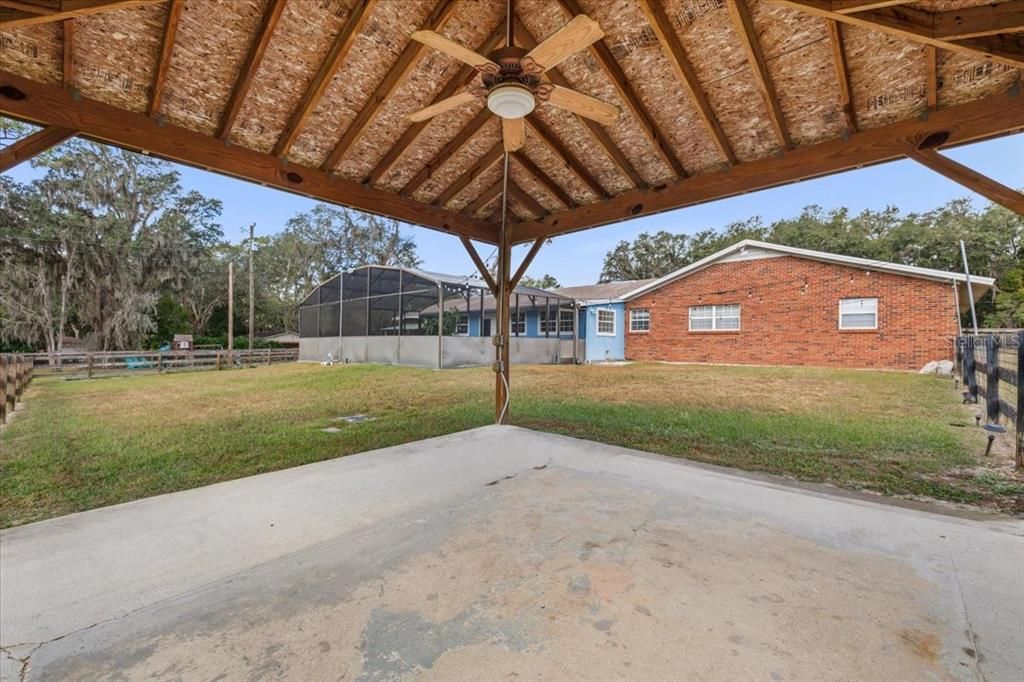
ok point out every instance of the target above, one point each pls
(115, 56)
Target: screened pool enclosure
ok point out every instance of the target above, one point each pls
(404, 316)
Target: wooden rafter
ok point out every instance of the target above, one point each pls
(412, 133)
(744, 25)
(526, 40)
(47, 105)
(971, 179)
(339, 49)
(163, 63)
(19, 13)
(851, 6)
(575, 165)
(399, 70)
(606, 60)
(490, 157)
(271, 16)
(32, 145)
(685, 73)
(981, 20)
(489, 195)
(446, 152)
(920, 27)
(68, 53)
(543, 178)
(979, 119)
(524, 198)
(835, 37)
(931, 55)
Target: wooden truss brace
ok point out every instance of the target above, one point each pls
(747, 32)
(48, 105)
(971, 179)
(163, 63)
(18, 13)
(984, 31)
(980, 119)
(31, 145)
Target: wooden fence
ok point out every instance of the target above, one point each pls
(15, 375)
(992, 366)
(89, 365)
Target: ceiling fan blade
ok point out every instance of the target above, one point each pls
(447, 104)
(584, 105)
(579, 33)
(513, 133)
(453, 49)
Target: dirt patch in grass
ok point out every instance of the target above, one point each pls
(84, 444)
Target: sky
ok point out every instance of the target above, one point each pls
(577, 258)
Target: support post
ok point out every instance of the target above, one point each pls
(231, 307)
(501, 352)
(90, 366)
(3, 389)
(970, 380)
(992, 378)
(1019, 458)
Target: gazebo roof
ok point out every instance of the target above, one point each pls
(717, 97)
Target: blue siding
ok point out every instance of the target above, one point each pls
(602, 348)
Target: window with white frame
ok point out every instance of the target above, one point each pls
(713, 318)
(858, 313)
(639, 320)
(566, 321)
(605, 322)
(519, 323)
(462, 326)
(544, 323)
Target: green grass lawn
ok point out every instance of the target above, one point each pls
(84, 444)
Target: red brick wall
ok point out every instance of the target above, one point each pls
(789, 310)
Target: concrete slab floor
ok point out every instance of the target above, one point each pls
(502, 553)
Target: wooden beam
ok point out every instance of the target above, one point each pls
(524, 198)
(412, 133)
(480, 265)
(489, 195)
(460, 183)
(68, 49)
(980, 119)
(916, 26)
(271, 16)
(32, 145)
(982, 20)
(527, 261)
(447, 151)
(399, 70)
(163, 62)
(851, 6)
(17, 14)
(744, 25)
(685, 73)
(47, 105)
(932, 76)
(526, 40)
(971, 179)
(628, 95)
(339, 50)
(835, 37)
(543, 178)
(575, 165)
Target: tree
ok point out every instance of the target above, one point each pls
(543, 282)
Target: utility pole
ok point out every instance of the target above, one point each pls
(970, 291)
(252, 301)
(231, 306)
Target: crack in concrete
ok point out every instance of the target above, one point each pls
(967, 619)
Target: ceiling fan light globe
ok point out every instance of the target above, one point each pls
(511, 101)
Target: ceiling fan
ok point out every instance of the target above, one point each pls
(512, 78)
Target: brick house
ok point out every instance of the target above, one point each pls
(761, 303)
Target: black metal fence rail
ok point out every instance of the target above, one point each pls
(95, 364)
(15, 376)
(992, 366)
